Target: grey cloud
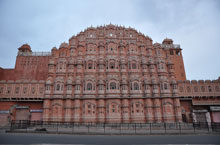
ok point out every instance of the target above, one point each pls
(194, 24)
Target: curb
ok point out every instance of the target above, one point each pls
(43, 132)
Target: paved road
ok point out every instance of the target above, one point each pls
(21, 138)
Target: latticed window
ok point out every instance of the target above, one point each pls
(77, 87)
(25, 90)
(181, 89)
(174, 86)
(112, 65)
(16, 90)
(158, 53)
(165, 86)
(41, 90)
(69, 87)
(89, 86)
(47, 87)
(123, 87)
(155, 87)
(112, 85)
(9, 90)
(134, 66)
(195, 89)
(58, 87)
(171, 52)
(101, 87)
(123, 66)
(136, 86)
(101, 66)
(90, 66)
(147, 87)
(210, 88)
(33, 90)
(203, 88)
(72, 51)
(188, 89)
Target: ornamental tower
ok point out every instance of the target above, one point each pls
(113, 74)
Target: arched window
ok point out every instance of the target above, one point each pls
(181, 89)
(60, 65)
(112, 85)
(112, 65)
(195, 89)
(89, 86)
(69, 87)
(175, 87)
(188, 89)
(58, 87)
(90, 66)
(134, 66)
(77, 87)
(136, 86)
(210, 88)
(165, 86)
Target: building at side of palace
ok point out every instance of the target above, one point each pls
(106, 74)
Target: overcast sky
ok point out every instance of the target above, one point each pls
(194, 24)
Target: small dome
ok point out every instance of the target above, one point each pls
(64, 45)
(157, 45)
(167, 41)
(54, 48)
(25, 48)
(110, 25)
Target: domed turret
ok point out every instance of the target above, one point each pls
(64, 45)
(54, 48)
(167, 41)
(157, 45)
(25, 48)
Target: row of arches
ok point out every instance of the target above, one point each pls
(153, 109)
(113, 85)
(112, 64)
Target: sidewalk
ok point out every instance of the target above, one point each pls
(82, 130)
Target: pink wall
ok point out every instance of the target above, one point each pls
(215, 116)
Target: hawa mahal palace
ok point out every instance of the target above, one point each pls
(107, 74)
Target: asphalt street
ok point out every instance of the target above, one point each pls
(23, 138)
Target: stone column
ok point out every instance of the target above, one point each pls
(157, 111)
(194, 117)
(46, 111)
(77, 110)
(149, 111)
(101, 111)
(178, 113)
(125, 111)
(208, 119)
(67, 108)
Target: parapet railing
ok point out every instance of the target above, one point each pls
(176, 46)
(112, 128)
(34, 53)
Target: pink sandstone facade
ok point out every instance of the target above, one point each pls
(106, 74)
